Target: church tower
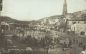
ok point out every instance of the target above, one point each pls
(65, 8)
(64, 14)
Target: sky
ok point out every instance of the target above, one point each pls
(37, 9)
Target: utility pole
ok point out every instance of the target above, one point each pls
(0, 6)
(2, 37)
(0, 14)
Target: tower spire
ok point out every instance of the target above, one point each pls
(65, 8)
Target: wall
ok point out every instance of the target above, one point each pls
(78, 28)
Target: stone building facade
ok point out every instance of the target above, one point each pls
(77, 26)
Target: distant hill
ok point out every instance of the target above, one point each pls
(80, 15)
(51, 19)
(7, 19)
(11, 20)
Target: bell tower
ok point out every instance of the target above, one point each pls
(65, 14)
(65, 8)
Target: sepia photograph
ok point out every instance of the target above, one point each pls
(42, 26)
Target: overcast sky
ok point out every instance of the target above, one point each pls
(36, 9)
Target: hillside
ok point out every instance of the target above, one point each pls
(51, 19)
(81, 15)
(7, 19)
(11, 20)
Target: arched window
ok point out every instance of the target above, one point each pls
(82, 33)
(74, 22)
